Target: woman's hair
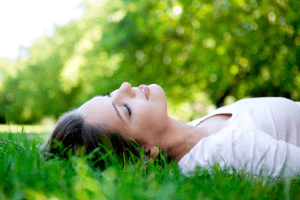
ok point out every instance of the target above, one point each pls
(72, 135)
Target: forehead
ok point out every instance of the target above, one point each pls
(99, 111)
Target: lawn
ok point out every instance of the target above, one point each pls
(25, 175)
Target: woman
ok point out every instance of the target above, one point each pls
(257, 134)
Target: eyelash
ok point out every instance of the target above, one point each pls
(125, 105)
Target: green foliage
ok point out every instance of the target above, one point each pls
(25, 175)
(227, 49)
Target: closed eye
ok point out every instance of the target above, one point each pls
(128, 108)
(125, 105)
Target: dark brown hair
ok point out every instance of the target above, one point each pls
(72, 135)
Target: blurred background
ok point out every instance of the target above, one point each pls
(56, 55)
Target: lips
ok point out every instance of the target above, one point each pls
(144, 89)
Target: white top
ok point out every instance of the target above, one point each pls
(262, 134)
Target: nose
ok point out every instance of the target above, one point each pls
(125, 90)
(125, 86)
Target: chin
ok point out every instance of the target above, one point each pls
(155, 86)
(157, 91)
(158, 95)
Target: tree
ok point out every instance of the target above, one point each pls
(227, 49)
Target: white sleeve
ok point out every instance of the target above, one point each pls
(253, 150)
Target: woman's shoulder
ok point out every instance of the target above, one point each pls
(195, 122)
(247, 148)
(265, 100)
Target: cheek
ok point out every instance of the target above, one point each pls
(148, 116)
(141, 119)
(156, 118)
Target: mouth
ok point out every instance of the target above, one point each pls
(144, 89)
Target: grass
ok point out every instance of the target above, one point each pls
(25, 175)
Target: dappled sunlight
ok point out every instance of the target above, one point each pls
(227, 50)
(189, 111)
(70, 74)
(30, 129)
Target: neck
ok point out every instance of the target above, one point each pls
(179, 138)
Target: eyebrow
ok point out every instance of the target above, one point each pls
(117, 110)
(118, 113)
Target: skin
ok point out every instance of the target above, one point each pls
(149, 122)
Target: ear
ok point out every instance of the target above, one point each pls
(151, 152)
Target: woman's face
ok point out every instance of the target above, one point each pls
(146, 119)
